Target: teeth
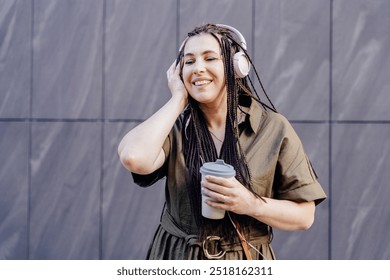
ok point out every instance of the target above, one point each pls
(199, 83)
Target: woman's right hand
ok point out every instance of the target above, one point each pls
(175, 84)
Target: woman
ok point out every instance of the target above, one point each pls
(212, 115)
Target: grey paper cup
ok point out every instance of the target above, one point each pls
(219, 169)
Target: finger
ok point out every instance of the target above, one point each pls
(223, 198)
(174, 70)
(177, 68)
(172, 67)
(217, 204)
(217, 196)
(169, 71)
(226, 182)
(211, 189)
(220, 198)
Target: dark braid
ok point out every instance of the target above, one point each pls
(198, 144)
(197, 151)
(234, 154)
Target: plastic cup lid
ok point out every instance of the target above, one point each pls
(218, 168)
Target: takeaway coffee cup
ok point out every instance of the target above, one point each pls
(219, 169)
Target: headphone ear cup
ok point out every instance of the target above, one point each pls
(241, 64)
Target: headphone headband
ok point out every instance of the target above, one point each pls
(241, 39)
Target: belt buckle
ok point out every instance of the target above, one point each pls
(216, 256)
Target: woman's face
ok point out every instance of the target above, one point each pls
(203, 69)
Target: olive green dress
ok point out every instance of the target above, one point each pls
(279, 167)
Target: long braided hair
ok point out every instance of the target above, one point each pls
(197, 139)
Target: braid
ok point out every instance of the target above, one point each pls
(196, 151)
(234, 155)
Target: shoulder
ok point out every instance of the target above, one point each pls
(277, 127)
(278, 122)
(262, 120)
(275, 117)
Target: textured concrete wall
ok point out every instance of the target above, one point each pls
(75, 75)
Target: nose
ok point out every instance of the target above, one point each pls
(198, 66)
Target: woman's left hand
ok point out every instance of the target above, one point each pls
(228, 194)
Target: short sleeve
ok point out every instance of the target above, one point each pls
(295, 178)
(146, 180)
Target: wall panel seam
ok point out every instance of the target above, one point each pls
(330, 129)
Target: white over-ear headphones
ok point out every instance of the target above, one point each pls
(240, 60)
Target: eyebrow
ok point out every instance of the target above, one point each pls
(203, 53)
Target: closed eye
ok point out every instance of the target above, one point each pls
(192, 61)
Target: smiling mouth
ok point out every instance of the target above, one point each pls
(202, 83)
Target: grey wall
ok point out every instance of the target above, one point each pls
(75, 75)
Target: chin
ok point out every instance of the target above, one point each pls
(202, 99)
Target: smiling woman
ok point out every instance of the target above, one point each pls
(215, 113)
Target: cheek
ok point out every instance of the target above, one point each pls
(186, 78)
